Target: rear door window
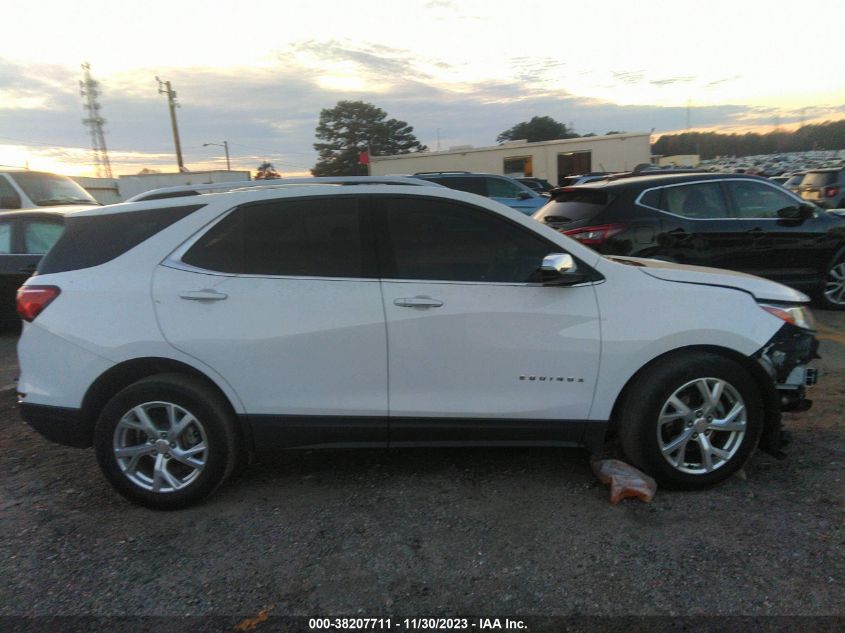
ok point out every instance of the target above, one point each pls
(5, 238)
(701, 201)
(462, 183)
(317, 237)
(498, 188)
(39, 236)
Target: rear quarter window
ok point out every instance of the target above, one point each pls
(96, 239)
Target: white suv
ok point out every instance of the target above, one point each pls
(180, 336)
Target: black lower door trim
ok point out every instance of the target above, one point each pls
(276, 432)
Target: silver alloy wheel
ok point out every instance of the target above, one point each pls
(834, 288)
(701, 426)
(160, 446)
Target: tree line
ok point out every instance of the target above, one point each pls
(821, 136)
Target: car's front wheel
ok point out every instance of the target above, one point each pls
(691, 419)
(166, 442)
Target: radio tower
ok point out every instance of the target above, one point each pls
(89, 88)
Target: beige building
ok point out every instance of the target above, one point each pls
(551, 160)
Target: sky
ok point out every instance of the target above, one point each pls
(460, 72)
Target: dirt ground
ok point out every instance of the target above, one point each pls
(432, 532)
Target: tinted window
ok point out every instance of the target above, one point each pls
(39, 236)
(700, 201)
(95, 239)
(319, 237)
(9, 198)
(5, 238)
(471, 185)
(756, 200)
(577, 204)
(651, 198)
(500, 188)
(819, 178)
(794, 181)
(438, 240)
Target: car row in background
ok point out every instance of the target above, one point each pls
(733, 221)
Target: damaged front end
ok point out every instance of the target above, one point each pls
(784, 359)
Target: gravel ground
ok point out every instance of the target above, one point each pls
(428, 532)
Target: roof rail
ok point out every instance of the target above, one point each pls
(440, 173)
(278, 183)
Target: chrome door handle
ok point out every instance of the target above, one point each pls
(417, 302)
(203, 295)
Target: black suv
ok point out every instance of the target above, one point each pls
(733, 221)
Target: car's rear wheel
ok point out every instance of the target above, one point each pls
(691, 420)
(832, 295)
(166, 441)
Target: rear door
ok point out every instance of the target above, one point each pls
(10, 275)
(282, 299)
(478, 350)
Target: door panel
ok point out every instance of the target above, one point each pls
(492, 351)
(287, 346)
(470, 335)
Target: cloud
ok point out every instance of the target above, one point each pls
(668, 81)
(272, 112)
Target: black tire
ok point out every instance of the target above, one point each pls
(821, 299)
(214, 421)
(649, 393)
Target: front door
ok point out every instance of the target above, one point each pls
(478, 350)
(282, 299)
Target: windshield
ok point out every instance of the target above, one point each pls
(47, 190)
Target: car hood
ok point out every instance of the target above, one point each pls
(760, 288)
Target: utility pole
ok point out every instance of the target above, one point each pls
(90, 89)
(225, 146)
(164, 88)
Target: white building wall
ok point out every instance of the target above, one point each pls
(617, 152)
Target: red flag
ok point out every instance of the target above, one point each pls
(364, 157)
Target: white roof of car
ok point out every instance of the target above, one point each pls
(278, 183)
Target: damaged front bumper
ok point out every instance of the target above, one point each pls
(784, 359)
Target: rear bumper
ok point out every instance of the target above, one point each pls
(59, 424)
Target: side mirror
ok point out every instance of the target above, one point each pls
(558, 269)
(800, 212)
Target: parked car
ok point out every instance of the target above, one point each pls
(825, 187)
(24, 238)
(499, 188)
(781, 180)
(24, 189)
(540, 185)
(731, 221)
(794, 181)
(207, 328)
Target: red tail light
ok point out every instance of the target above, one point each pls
(830, 192)
(33, 299)
(593, 235)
